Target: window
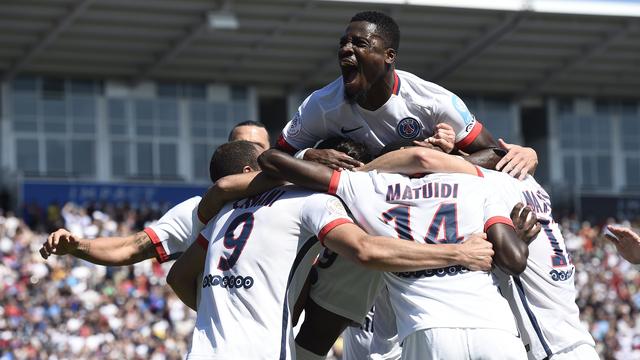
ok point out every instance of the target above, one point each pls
(120, 158)
(144, 152)
(83, 157)
(168, 160)
(117, 115)
(56, 155)
(59, 117)
(27, 155)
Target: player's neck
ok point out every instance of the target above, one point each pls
(379, 92)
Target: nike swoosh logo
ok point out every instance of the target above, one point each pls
(344, 131)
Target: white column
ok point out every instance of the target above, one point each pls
(617, 159)
(185, 148)
(555, 158)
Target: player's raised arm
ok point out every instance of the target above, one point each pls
(182, 277)
(390, 254)
(415, 160)
(111, 251)
(234, 187)
(281, 165)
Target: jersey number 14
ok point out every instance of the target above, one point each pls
(445, 221)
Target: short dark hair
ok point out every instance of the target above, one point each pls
(386, 27)
(352, 148)
(230, 158)
(246, 123)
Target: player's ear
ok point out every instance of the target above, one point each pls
(247, 169)
(390, 56)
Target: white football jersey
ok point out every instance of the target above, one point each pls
(412, 111)
(377, 337)
(344, 287)
(384, 343)
(260, 252)
(356, 340)
(437, 208)
(176, 230)
(543, 296)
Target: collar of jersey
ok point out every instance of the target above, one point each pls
(395, 91)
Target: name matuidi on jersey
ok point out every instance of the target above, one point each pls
(427, 191)
(264, 199)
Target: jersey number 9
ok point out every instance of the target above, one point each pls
(236, 243)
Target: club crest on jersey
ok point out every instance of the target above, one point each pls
(296, 125)
(408, 128)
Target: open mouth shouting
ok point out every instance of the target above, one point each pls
(350, 77)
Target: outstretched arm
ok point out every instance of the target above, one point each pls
(112, 251)
(626, 241)
(281, 165)
(415, 160)
(390, 254)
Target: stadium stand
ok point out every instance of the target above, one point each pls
(67, 306)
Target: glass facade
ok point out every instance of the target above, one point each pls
(597, 143)
(77, 129)
(54, 126)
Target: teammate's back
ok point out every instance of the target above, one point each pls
(438, 208)
(543, 296)
(258, 247)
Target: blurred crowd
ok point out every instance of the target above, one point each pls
(66, 308)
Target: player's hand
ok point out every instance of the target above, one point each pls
(332, 158)
(60, 242)
(627, 242)
(525, 222)
(444, 138)
(519, 160)
(477, 253)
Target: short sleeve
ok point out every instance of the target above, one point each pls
(174, 232)
(348, 184)
(495, 210)
(453, 111)
(305, 129)
(321, 213)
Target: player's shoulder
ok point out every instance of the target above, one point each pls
(414, 84)
(326, 98)
(186, 206)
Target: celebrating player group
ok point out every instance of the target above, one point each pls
(386, 213)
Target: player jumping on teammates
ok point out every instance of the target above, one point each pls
(375, 104)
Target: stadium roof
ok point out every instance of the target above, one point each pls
(522, 48)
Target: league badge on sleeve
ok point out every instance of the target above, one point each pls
(461, 108)
(335, 207)
(295, 126)
(409, 128)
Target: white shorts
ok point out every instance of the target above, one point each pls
(462, 344)
(356, 343)
(579, 352)
(344, 288)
